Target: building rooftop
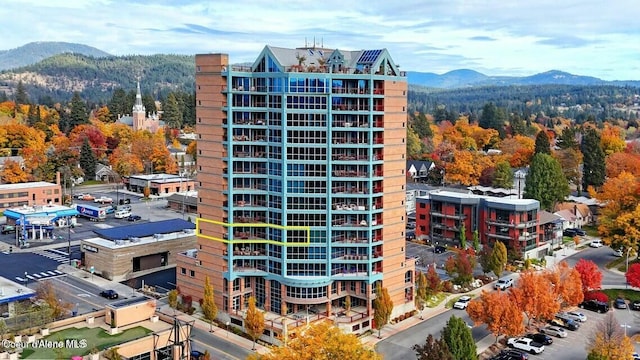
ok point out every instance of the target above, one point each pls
(27, 185)
(130, 301)
(160, 178)
(11, 291)
(146, 230)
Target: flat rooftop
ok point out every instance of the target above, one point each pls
(147, 229)
(130, 301)
(11, 291)
(27, 185)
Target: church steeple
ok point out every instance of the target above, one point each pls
(138, 107)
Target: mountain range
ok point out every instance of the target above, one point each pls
(57, 69)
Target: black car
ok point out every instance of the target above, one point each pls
(196, 355)
(540, 338)
(579, 232)
(595, 305)
(439, 249)
(124, 201)
(569, 232)
(109, 294)
(511, 354)
(134, 218)
(619, 303)
(565, 323)
(635, 305)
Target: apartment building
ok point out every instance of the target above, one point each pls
(301, 177)
(442, 215)
(30, 193)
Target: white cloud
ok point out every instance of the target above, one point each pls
(586, 37)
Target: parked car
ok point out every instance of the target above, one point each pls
(511, 354)
(124, 201)
(79, 196)
(525, 344)
(196, 355)
(596, 243)
(635, 356)
(109, 294)
(565, 323)
(103, 200)
(6, 229)
(569, 233)
(595, 305)
(576, 315)
(134, 218)
(541, 338)
(620, 303)
(87, 197)
(619, 252)
(635, 305)
(462, 302)
(439, 249)
(503, 283)
(578, 232)
(554, 330)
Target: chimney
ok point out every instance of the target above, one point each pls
(57, 177)
(575, 210)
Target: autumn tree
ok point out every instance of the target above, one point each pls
(566, 284)
(320, 341)
(484, 258)
(618, 226)
(593, 169)
(498, 311)
(172, 299)
(542, 143)
(433, 349)
(612, 139)
(460, 266)
(532, 296)
(415, 146)
(498, 259)
(458, 338)
(570, 160)
(433, 282)
(590, 275)
(421, 292)
(12, 173)
(47, 293)
(633, 275)
(382, 307)
(421, 126)
(618, 162)
(545, 181)
(254, 321)
(608, 341)
(209, 308)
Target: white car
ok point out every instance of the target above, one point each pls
(596, 243)
(576, 315)
(503, 283)
(525, 344)
(619, 253)
(462, 302)
(554, 330)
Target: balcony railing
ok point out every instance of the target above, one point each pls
(345, 157)
(350, 173)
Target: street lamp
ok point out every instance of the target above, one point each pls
(627, 282)
(69, 238)
(26, 279)
(227, 323)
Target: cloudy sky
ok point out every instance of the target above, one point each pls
(496, 37)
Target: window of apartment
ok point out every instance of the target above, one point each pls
(423, 217)
(183, 271)
(353, 286)
(363, 287)
(408, 277)
(247, 283)
(343, 286)
(236, 284)
(192, 273)
(225, 285)
(423, 206)
(334, 287)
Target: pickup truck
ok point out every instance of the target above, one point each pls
(103, 200)
(526, 344)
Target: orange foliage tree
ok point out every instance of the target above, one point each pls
(566, 284)
(532, 296)
(612, 139)
(499, 312)
(519, 150)
(619, 162)
(13, 173)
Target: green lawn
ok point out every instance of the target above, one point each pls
(628, 294)
(94, 337)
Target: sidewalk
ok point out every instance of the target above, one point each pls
(162, 308)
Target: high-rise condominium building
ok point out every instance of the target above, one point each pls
(301, 172)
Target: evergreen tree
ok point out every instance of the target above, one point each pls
(463, 237)
(476, 240)
(88, 160)
(503, 175)
(149, 103)
(21, 94)
(433, 350)
(593, 169)
(189, 109)
(34, 115)
(518, 126)
(542, 143)
(422, 127)
(118, 103)
(545, 182)
(498, 258)
(78, 114)
(567, 139)
(493, 118)
(172, 114)
(458, 338)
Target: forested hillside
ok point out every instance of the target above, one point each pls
(56, 78)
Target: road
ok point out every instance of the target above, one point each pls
(601, 256)
(399, 346)
(218, 347)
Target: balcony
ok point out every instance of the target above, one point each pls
(349, 157)
(499, 236)
(350, 124)
(257, 122)
(350, 107)
(249, 235)
(248, 219)
(244, 154)
(349, 207)
(351, 257)
(449, 216)
(350, 173)
(348, 190)
(528, 236)
(349, 239)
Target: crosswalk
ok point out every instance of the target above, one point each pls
(53, 254)
(39, 276)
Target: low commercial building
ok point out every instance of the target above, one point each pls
(38, 221)
(30, 193)
(121, 252)
(159, 184)
(12, 293)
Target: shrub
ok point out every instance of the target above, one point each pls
(447, 286)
